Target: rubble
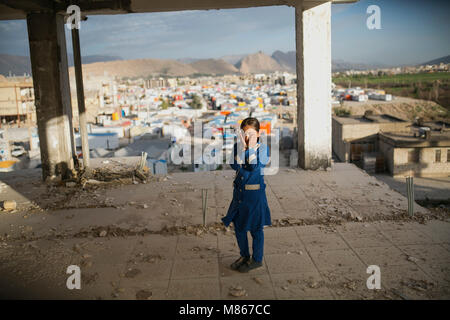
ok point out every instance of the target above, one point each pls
(257, 280)
(412, 259)
(131, 273)
(144, 295)
(237, 291)
(9, 205)
(89, 278)
(418, 285)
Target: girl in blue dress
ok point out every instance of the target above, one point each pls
(249, 210)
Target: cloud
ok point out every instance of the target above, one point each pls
(409, 31)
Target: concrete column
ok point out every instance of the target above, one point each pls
(52, 93)
(80, 97)
(313, 45)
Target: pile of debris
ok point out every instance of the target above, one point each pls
(123, 175)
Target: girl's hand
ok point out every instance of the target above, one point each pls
(252, 137)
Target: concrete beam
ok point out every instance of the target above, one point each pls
(52, 93)
(313, 45)
(17, 9)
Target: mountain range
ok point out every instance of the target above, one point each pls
(258, 62)
(438, 61)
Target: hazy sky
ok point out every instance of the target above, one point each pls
(411, 32)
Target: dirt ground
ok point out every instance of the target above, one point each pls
(401, 107)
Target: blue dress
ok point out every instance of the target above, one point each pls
(249, 209)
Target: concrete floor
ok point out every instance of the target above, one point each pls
(146, 240)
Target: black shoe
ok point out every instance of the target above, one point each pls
(235, 265)
(249, 265)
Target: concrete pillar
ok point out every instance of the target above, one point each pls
(313, 45)
(52, 93)
(80, 97)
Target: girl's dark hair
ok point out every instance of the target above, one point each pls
(250, 122)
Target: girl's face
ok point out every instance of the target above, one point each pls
(249, 130)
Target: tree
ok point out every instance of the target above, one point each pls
(165, 104)
(196, 102)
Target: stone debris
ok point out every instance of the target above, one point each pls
(86, 263)
(131, 273)
(418, 285)
(237, 291)
(400, 294)
(144, 295)
(149, 258)
(88, 278)
(103, 233)
(9, 205)
(152, 258)
(351, 285)
(257, 280)
(412, 259)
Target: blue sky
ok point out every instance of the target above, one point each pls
(411, 32)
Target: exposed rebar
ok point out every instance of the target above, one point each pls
(204, 202)
(410, 195)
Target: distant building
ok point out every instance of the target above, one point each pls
(423, 151)
(380, 143)
(17, 100)
(155, 83)
(354, 135)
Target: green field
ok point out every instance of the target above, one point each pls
(427, 86)
(400, 79)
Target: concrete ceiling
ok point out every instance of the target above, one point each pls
(17, 9)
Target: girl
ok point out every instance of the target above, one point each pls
(249, 210)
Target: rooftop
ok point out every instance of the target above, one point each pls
(408, 139)
(368, 119)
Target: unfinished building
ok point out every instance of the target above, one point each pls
(48, 55)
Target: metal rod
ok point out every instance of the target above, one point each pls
(80, 96)
(204, 202)
(410, 195)
(17, 106)
(407, 193)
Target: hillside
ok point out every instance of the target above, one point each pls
(243, 63)
(93, 59)
(213, 66)
(437, 61)
(258, 63)
(233, 58)
(17, 65)
(138, 68)
(285, 59)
